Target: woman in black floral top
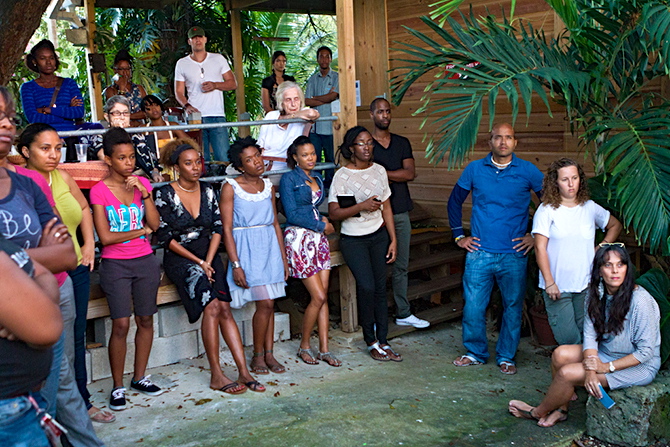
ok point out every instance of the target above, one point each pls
(190, 230)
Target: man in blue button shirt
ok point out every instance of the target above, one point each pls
(500, 184)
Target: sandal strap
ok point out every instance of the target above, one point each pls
(389, 348)
(258, 354)
(375, 346)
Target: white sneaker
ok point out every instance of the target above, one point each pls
(412, 321)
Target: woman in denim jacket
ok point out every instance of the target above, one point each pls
(307, 249)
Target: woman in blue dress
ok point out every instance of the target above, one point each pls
(257, 268)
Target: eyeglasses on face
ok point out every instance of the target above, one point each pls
(116, 113)
(13, 119)
(611, 244)
(122, 68)
(368, 144)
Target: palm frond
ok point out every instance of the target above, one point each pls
(635, 154)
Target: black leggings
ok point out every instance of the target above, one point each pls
(366, 257)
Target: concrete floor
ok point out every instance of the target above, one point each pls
(422, 401)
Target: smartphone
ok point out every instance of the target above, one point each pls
(376, 200)
(606, 400)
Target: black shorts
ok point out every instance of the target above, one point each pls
(126, 280)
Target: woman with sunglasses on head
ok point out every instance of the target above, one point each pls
(123, 85)
(367, 238)
(564, 229)
(622, 340)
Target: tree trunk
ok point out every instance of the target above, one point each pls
(20, 19)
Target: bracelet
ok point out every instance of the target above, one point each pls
(202, 261)
(459, 238)
(147, 196)
(552, 284)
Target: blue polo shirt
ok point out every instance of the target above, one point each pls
(500, 199)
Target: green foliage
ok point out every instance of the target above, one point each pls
(657, 283)
(599, 68)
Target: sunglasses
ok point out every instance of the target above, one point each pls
(611, 244)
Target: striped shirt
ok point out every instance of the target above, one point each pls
(62, 115)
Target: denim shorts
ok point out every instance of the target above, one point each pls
(19, 424)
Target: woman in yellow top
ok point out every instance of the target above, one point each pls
(41, 146)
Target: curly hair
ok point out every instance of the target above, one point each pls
(618, 309)
(172, 146)
(236, 149)
(551, 195)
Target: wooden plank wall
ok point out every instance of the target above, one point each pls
(541, 140)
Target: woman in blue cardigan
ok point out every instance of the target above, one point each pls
(40, 104)
(307, 249)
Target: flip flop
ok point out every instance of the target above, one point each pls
(471, 361)
(523, 414)
(377, 353)
(508, 368)
(230, 386)
(307, 356)
(102, 416)
(394, 356)
(255, 386)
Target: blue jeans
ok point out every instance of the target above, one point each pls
(323, 144)
(217, 137)
(509, 271)
(81, 281)
(19, 424)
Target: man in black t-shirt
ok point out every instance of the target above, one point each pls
(394, 153)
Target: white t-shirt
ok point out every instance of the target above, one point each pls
(363, 184)
(571, 233)
(275, 140)
(195, 73)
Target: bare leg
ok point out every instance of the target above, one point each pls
(144, 338)
(231, 334)
(318, 293)
(210, 339)
(270, 359)
(264, 310)
(117, 349)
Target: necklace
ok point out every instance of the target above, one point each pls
(498, 165)
(187, 190)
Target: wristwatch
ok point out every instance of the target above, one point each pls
(236, 264)
(612, 368)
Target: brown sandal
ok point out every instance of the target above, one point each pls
(377, 353)
(391, 353)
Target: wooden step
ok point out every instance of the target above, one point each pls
(418, 214)
(440, 314)
(435, 259)
(426, 288)
(429, 237)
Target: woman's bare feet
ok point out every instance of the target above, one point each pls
(556, 416)
(223, 383)
(251, 383)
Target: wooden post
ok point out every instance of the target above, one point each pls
(348, 304)
(94, 85)
(346, 53)
(236, 31)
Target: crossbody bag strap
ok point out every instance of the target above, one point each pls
(56, 90)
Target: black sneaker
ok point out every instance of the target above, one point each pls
(144, 385)
(118, 400)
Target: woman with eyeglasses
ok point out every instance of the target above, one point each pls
(359, 197)
(117, 113)
(124, 86)
(564, 228)
(622, 340)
